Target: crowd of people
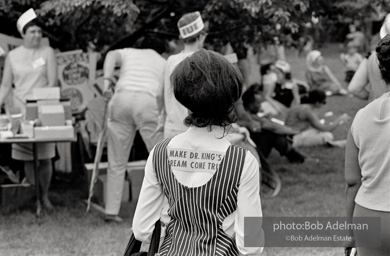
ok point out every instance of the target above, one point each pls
(198, 183)
(201, 90)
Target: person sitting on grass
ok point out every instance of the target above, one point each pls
(279, 90)
(272, 135)
(319, 76)
(304, 119)
(351, 59)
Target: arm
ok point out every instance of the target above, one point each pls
(113, 59)
(332, 77)
(353, 178)
(249, 205)
(150, 204)
(269, 89)
(357, 86)
(52, 69)
(164, 82)
(309, 78)
(244, 118)
(160, 94)
(343, 58)
(315, 122)
(6, 83)
(350, 36)
(161, 103)
(352, 174)
(277, 128)
(360, 58)
(295, 92)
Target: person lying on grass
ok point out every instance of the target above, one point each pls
(304, 119)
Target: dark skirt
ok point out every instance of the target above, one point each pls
(384, 250)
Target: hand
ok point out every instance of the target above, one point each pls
(244, 131)
(107, 94)
(343, 118)
(254, 126)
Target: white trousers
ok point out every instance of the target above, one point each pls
(128, 112)
(311, 137)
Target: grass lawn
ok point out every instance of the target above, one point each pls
(315, 188)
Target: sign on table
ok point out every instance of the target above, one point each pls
(76, 72)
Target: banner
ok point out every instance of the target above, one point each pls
(76, 72)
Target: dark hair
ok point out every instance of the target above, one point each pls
(34, 22)
(153, 43)
(264, 68)
(287, 75)
(383, 54)
(248, 97)
(315, 96)
(208, 85)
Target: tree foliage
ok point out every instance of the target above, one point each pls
(106, 24)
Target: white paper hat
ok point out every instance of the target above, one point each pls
(192, 28)
(25, 18)
(385, 29)
(283, 65)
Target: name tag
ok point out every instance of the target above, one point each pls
(194, 161)
(38, 63)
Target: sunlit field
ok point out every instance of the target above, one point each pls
(315, 188)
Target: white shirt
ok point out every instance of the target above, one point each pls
(370, 132)
(199, 140)
(174, 110)
(29, 70)
(141, 70)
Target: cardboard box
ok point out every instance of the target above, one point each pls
(32, 108)
(27, 128)
(16, 195)
(54, 132)
(51, 115)
(47, 93)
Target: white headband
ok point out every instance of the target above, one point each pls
(25, 18)
(193, 28)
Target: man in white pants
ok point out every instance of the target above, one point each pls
(192, 34)
(134, 106)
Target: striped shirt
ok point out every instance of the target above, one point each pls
(209, 143)
(197, 213)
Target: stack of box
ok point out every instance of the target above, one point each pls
(54, 115)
